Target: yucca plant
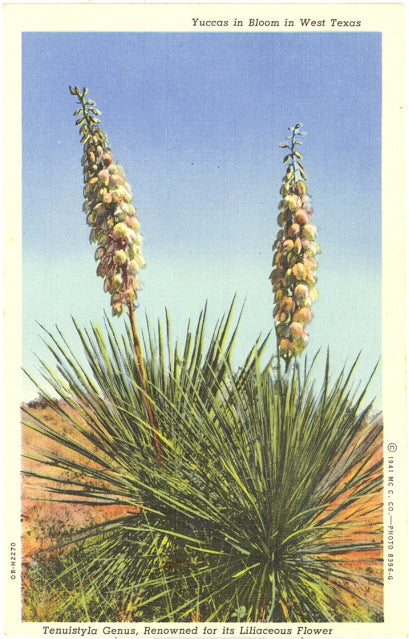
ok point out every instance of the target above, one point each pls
(265, 505)
(261, 501)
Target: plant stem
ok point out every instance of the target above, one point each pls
(292, 155)
(143, 382)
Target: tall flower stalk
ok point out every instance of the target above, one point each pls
(114, 228)
(294, 265)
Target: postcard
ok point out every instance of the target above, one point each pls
(205, 420)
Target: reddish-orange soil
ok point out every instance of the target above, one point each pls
(45, 522)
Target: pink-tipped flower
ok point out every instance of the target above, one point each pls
(297, 331)
(293, 230)
(103, 176)
(301, 217)
(301, 291)
(302, 315)
(299, 271)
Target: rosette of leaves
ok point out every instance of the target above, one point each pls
(268, 506)
(113, 219)
(294, 261)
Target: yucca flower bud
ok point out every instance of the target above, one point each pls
(294, 265)
(107, 206)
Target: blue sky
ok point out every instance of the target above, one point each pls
(195, 120)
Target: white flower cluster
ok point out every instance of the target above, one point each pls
(294, 264)
(108, 197)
